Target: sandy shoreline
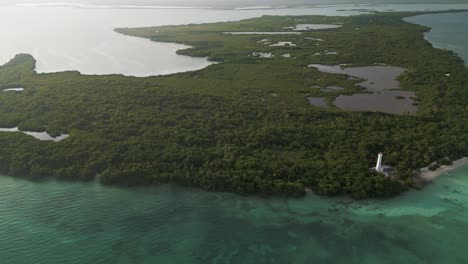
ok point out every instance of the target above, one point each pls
(428, 175)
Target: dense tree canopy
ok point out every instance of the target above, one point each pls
(243, 125)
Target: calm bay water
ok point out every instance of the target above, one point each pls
(448, 31)
(54, 222)
(63, 37)
(70, 38)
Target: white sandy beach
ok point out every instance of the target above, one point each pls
(428, 175)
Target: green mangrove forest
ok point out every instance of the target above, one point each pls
(243, 124)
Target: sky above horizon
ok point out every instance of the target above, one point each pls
(228, 3)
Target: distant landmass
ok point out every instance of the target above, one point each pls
(233, 3)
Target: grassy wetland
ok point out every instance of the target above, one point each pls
(244, 124)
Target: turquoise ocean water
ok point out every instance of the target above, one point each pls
(55, 222)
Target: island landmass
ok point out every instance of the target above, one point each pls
(261, 120)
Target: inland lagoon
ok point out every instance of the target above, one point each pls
(306, 27)
(318, 101)
(377, 78)
(267, 55)
(381, 84)
(393, 102)
(13, 90)
(263, 33)
(43, 136)
(283, 44)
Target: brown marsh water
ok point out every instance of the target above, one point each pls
(318, 101)
(382, 82)
(377, 78)
(385, 101)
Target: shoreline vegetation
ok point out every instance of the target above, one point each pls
(427, 175)
(243, 125)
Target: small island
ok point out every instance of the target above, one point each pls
(258, 121)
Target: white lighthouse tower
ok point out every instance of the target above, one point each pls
(378, 166)
(381, 168)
